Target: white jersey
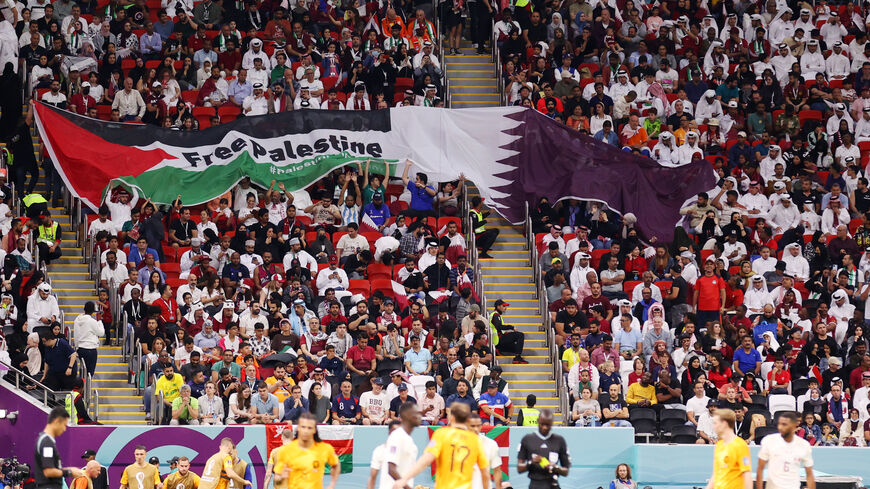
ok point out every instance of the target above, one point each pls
(784, 460)
(490, 450)
(400, 450)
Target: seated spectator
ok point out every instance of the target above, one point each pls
(346, 409)
(295, 405)
(185, 409)
(264, 406)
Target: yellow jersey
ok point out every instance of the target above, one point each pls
(730, 461)
(306, 464)
(136, 477)
(177, 481)
(457, 451)
(214, 474)
(272, 457)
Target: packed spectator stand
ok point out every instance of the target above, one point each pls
(758, 303)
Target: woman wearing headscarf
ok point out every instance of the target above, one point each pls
(555, 23)
(543, 216)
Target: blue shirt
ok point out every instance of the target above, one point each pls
(238, 91)
(345, 407)
(264, 407)
(378, 216)
(418, 360)
(150, 44)
(291, 413)
(610, 139)
(421, 200)
(499, 400)
(467, 399)
(746, 361)
(627, 340)
(165, 30)
(57, 357)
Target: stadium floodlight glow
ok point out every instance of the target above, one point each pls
(12, 416)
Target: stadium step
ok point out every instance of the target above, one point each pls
(119, 402)
(508, 276)
(472, 79)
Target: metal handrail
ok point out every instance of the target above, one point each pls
(45, 390)
(553, 347)
(157, 407)
(496, 59)
(96, 416)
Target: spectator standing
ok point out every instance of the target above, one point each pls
(87, 331)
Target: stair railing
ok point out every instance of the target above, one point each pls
(87, 389)
(24, 380)
(96, 415)
(157, 406)
(116, 310)
(496, 59)
(553, 347)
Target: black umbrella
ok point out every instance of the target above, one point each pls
(273, 360)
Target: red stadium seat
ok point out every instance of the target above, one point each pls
(104, 112)
(442, 223)
(228, 113)
(358, 286)
(596, 256)
(190, 96)
(403, 84)
(385, 286)
(629, 285)
(203, 116)
(337, 236)
(175, 283)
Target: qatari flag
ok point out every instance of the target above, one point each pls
(513, 155)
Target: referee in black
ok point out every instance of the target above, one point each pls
(47, 469)
(544, 455)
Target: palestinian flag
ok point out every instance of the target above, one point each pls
(501, 436)
(340, 437)
(513, 155)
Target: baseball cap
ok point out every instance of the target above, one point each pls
(402, 387)
(89, 453)
(475, 308)
(492, 385)
(378, 195)
(376, 381)
(333, 259)
(501, 302)
(556, 260)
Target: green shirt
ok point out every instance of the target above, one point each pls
(234, 368)
(368, 191)
(184, 414)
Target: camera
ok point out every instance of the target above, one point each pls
(13, 472)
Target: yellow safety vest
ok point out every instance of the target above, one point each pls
(530, 416)
(48, 235)
(479, 215)
(493, 332)
(33, 199)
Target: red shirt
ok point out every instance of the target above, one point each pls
(167, 310)
(720, 379)
(361, 359)
(783, 377)
(709, 288)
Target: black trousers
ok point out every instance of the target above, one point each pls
(486, 239)
(89, 356)
(46, 255)
(511, 342)
(481, 23)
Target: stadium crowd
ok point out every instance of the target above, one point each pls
(759, 303)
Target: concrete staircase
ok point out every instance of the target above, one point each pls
(118, 401)
(508, 276)
(472, 79)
